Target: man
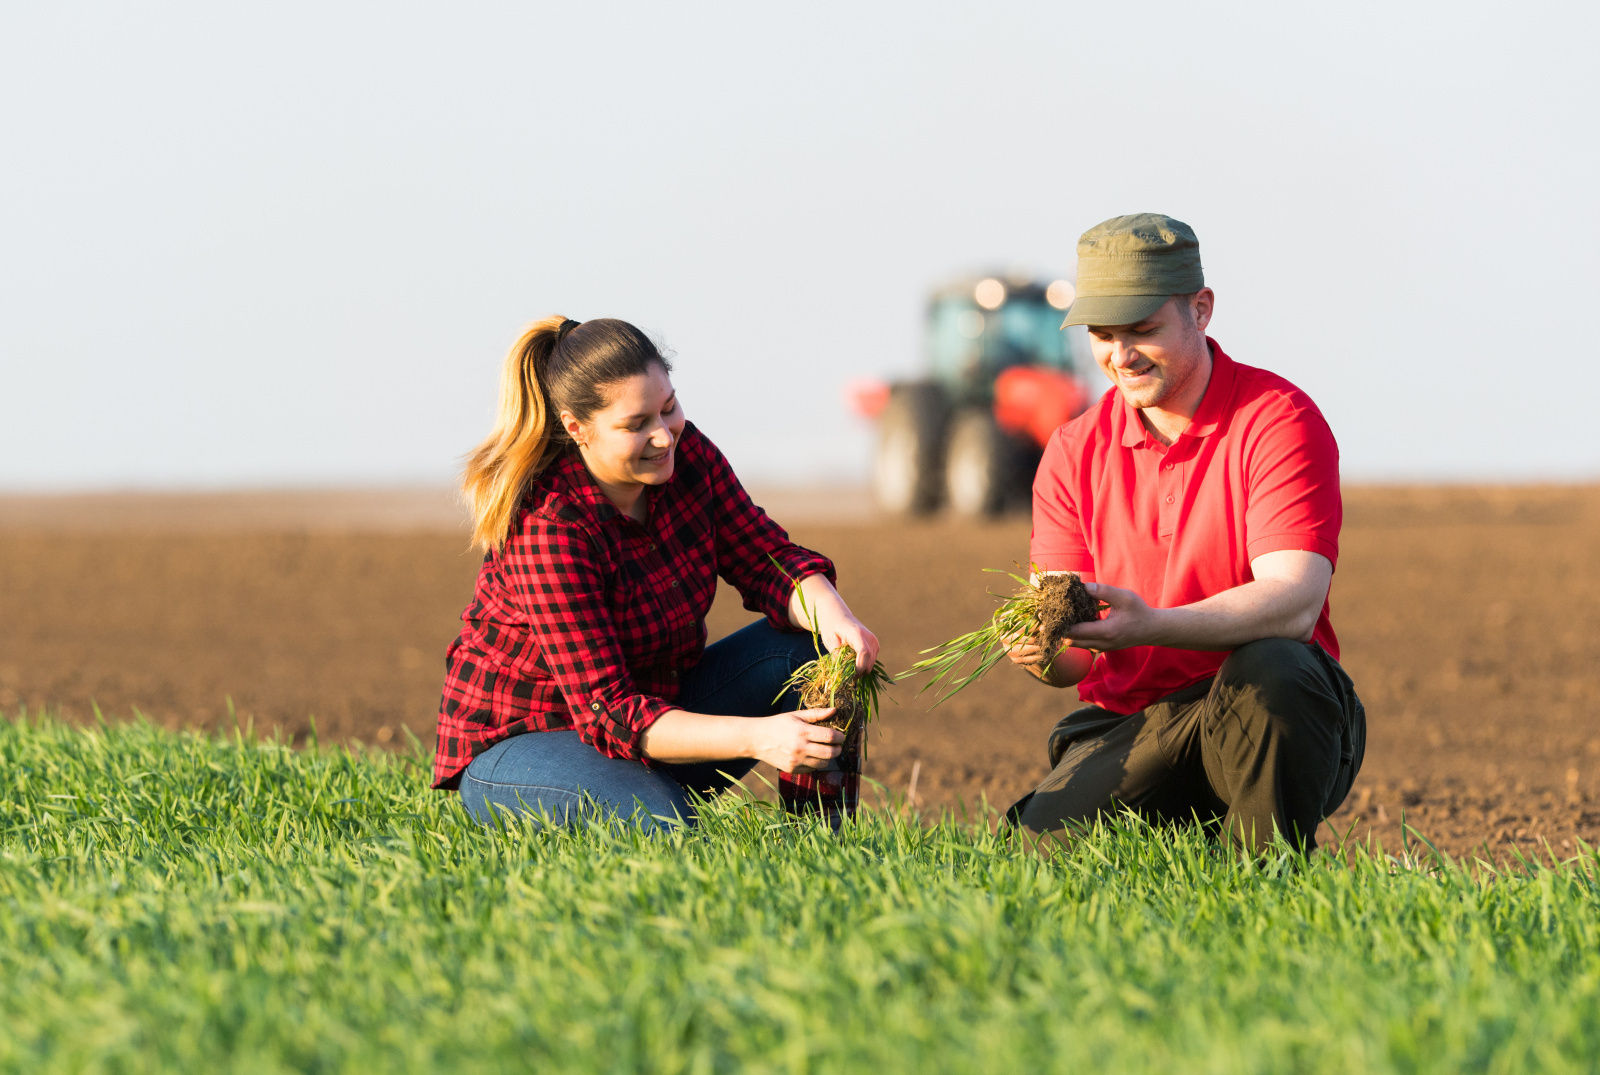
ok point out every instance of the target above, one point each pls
(1199, 501)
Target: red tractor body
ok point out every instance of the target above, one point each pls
(1032, 401)
(1001, 377)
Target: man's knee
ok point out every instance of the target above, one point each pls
(1278, 677)
(1286, 710)
(1270, 664)
(1279, 689)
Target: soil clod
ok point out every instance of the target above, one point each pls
(1063, 600)
(1041, 611)
(850, 712)
(832, 680)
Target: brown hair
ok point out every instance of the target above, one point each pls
(557, 365)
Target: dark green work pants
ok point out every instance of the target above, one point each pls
(1271, 743)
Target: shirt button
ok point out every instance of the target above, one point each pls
(1169, 500)
(673, 584)
(595, 706)
(1166, 466)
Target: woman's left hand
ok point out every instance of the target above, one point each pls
(835, 623)
(853, 633)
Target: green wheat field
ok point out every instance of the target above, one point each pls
(176, 902)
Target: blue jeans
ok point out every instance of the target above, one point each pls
(562, 779)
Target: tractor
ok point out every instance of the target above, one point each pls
(1001, 375)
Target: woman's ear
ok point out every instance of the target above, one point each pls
(574, 428)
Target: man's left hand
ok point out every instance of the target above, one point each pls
(1282, 601)
(1126, 621)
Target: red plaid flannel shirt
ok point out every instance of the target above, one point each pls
(586, 618)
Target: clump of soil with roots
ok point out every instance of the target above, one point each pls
(832, 680)
(1062, 601)
(1041, 611)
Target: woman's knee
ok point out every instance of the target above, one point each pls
(558, 780)
(746, 673)
(493, 804)
(781, 650)
(559, 807)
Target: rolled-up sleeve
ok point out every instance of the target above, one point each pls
(754, 554)
(552, 568)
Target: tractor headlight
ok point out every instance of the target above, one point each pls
(1060, 294)
(990, 293)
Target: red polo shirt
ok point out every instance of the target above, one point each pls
(1257, 471)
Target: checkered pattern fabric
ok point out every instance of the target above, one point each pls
(587, 618)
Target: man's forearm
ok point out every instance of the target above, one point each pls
(1284, 600)
(1264, 608)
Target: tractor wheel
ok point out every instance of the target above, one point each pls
(981, 467)
(908, 468)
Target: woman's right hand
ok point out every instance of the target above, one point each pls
(795, 743)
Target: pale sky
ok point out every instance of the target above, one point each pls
(289, 243)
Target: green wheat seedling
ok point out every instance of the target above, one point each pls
(963, 660)
(832, 680)
(1039, 611)
(178, 902)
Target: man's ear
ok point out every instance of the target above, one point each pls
(1204, 302)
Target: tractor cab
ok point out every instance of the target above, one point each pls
(978, 329)
(1001, 375)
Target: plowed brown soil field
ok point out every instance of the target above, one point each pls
(1469, 617)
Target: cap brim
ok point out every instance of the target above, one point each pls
(1113, 309)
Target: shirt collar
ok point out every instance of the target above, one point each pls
(1213, 405)
(580, 484)
(583, 489)
(1219, 395)
(1134, 434)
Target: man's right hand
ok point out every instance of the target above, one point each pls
(795, 743)
(1069, 666)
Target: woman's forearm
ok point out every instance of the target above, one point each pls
(679, 736)
(790, 742)
(812, 602)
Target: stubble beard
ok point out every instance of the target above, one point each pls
(1150, 395)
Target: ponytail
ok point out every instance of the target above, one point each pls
(522, 442)
(536, 385)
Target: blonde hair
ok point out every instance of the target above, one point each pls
(556, 365)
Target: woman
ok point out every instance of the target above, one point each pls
(581, 684)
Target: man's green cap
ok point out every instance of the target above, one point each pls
(1129, 266)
